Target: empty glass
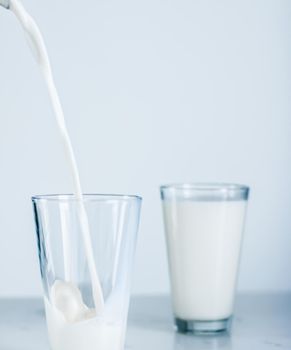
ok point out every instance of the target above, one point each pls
(74, 321)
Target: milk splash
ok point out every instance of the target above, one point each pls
(38, 47)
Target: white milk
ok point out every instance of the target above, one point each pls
(71, 326)
(203, 241)
(87, 335)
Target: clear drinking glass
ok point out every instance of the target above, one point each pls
(203, 226)
(73, 321)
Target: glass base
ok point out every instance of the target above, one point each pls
(203, 327)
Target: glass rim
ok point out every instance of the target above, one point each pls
(206, 186)
(87, 197)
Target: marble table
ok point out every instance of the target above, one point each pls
(262, 322)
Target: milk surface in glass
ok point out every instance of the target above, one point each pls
(74, 326)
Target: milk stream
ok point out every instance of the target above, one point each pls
(38, 47)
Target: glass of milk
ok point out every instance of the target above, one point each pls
(86, 305)
(204, 224)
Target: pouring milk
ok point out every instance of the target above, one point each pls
(71, 324)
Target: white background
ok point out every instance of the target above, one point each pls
(154, 92)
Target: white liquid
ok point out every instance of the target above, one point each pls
(71, 326)
(203, 241)
(38, 47)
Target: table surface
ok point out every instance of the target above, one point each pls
(262, 321)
